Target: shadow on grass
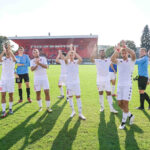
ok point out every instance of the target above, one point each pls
(130, 141)
(65, 137)
(42, 126)
(108, 134)
(146, 114)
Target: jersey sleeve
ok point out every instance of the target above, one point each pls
(32, 64)
(141, 60)
(44, 61)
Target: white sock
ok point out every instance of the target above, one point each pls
(48, 103)
(101, 100)
(3, 106)
(79, 106)
(110, 101)
(113, 89)
(129, 114)
(61, 90)
(10, 105)
(124, 117)
(71, 104)
(40, 103)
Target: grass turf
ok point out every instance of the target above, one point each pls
(29, 129)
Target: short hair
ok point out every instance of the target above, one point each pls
(20, 47)
(144, 49)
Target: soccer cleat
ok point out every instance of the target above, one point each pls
(102, 109)
(4, 114)
(140, 108)
(29, 100)
(72, 114)
(10, 111)
(131, 119)
(122, 126)
(61, 96)
(67, 99)
(49, 110)
(20, 101)
(40, 109)
(82, 117)
(114, 111)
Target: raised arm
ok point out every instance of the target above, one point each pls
(93, 55)
(77, 56)
(33, 68)
(130, 51)
(12, 56)
(115, 54)
(58, 56)
(43, 65)
(2, 54)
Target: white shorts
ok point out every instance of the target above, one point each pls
(7, 85)
(124, 93)
(62, 80)
(104, 86)
(112, 76)
(73, 89)
(42, 83)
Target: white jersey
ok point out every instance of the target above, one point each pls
(40, 72)
(63, 67)
(102, 66)
(8, 68)
(73, 72)
(125, 70)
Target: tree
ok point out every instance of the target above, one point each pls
(145, 38)
(109, 51)
(131, 45)
(3, 39)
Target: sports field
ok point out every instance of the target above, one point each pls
(29, 129)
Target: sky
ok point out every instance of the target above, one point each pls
(111, 20)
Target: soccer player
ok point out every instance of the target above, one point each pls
(113, 72)
(103, 78)
(73, 82)
(124, 87)
(7, 77)
(39, 66)
(142, 63)
(23, 62)
(62, 80)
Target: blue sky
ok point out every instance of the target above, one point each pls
(112, 20)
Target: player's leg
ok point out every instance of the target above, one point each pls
(61, 89)
(38, 97)
(19, 81)
(37, 88)
(113, 87)
(45, 85)
(3, 101)
(101, 97)
(10, 103)
(26, 79)
(47, 99)
(70, 94)
(79, 103)
(110, 101)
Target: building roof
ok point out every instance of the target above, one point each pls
(52, 37)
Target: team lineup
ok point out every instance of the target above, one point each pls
(107, 68)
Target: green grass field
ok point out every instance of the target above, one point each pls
(29, 129)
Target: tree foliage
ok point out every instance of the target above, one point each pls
(145, 38)
(3, 39)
